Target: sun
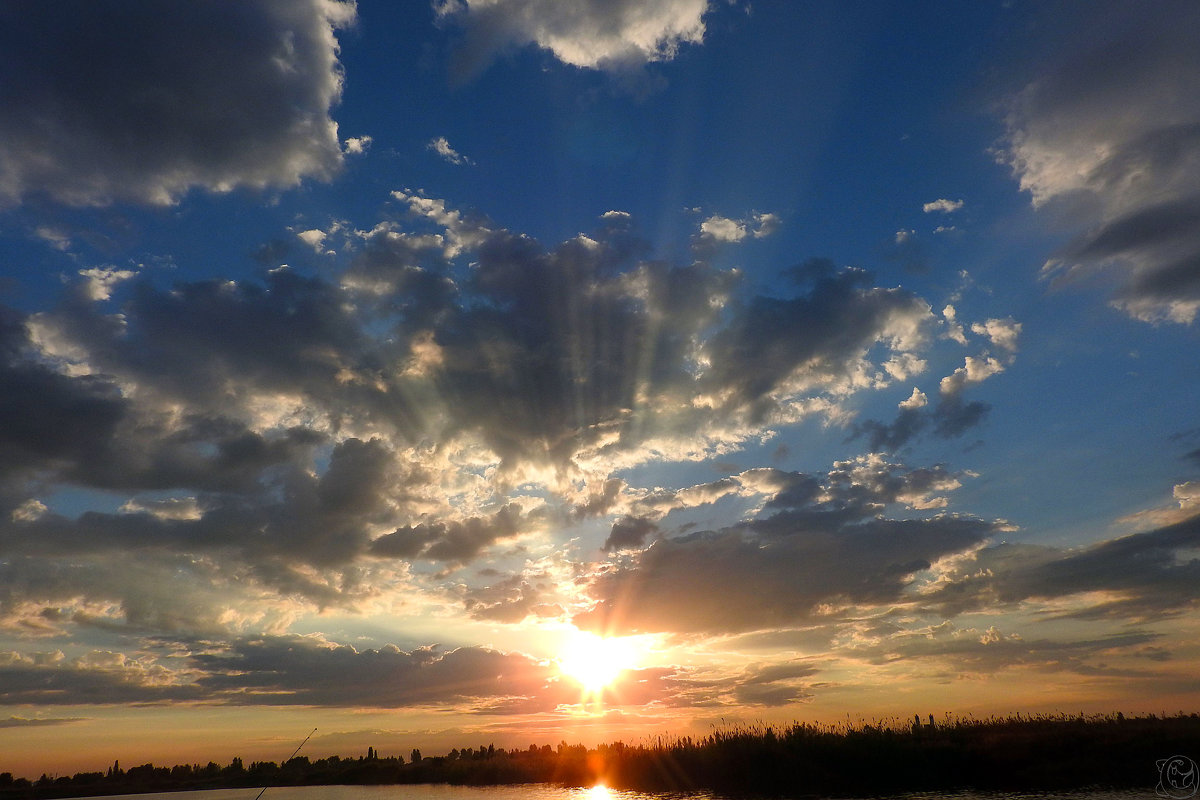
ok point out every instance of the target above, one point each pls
(595, 662)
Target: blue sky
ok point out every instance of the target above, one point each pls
(836, 360)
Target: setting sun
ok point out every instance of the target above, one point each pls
(595, 661)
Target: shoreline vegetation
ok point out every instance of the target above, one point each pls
(1014, 753)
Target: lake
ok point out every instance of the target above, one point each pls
(542, 791)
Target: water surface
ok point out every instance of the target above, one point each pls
(544, 791)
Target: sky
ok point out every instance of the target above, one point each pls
(361, 364)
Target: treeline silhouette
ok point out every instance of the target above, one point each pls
(1040, 752)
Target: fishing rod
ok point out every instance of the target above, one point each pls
(289, 758)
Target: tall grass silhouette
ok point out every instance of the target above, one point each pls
(1040, 752)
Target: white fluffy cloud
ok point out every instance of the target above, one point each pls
(943, 205)
(357, 145)
(142, 101)
(1002, 333)
(597, 34)
(723, 229)
(717, 229)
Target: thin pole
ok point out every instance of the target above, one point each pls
(289, 758)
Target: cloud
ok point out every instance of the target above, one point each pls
(277, 670)
(357, 145)
(953, 415)
(773, 684)
(101, 280)
(629, 533)
(1001, 333)
(442, 147)
(954, 328)
(1141, 577)
(731, 581)
(141, 102)
(717, 230)
(22, 722)
(98, 677)
(1087, 136)
(595, 34)
(297, 441)
(943, 205)
(297, 670)
(815, 337)
(820, 541)
(723, 229)
(1187, 498)
(50, 418)
(457, 541)
(971, 651)
(916, 400)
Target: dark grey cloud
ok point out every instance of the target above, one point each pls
(515, 598)
(773, 684)
(542, 352)
(599, 502)
(972, 651)
(629, 533)
(807, 548)
(405, 276)
(208, 342)
(48, 418)
(280, 670)
(99, 678)
(141, 101)
(457, 542)
(1142, 577)
(144, 591)
(835, 317)
(22, 722)
(84, 429)
(319, 520)
(295, 670)
(294, 433)
(548, 354)
(951, 417)
(1085, 135)
(299, 534)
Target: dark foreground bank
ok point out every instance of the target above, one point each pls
(1004, 754)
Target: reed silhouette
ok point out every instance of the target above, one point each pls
(1013, 753)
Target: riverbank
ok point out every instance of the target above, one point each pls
(1015, 753)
